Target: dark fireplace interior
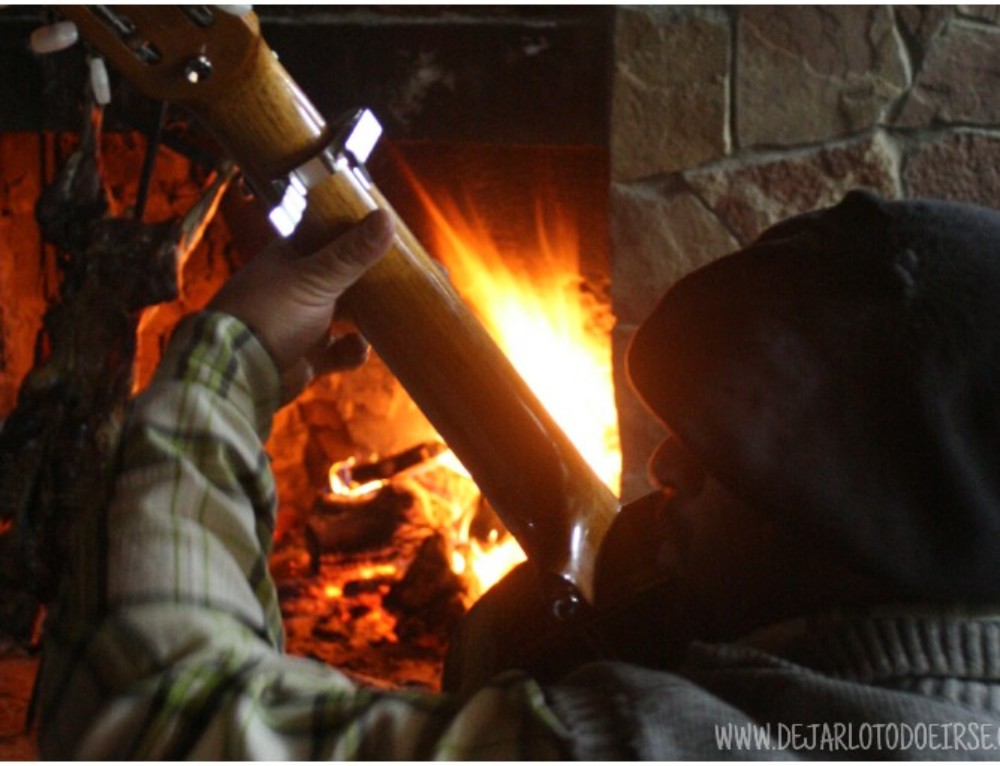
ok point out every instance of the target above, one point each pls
(662, 137)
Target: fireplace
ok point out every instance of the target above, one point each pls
(666, 137)
(374, 581)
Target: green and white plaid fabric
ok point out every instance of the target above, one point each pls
(167, 642)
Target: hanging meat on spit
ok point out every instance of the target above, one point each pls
(59, 444)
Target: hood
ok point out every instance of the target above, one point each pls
(842, 374)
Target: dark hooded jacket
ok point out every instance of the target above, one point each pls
(842, 375)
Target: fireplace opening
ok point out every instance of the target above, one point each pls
(377, 569)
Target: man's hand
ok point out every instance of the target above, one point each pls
(288, 300)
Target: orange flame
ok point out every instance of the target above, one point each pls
(556, 336)
(482, 563)
(342, 486)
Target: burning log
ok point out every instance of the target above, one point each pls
(362, 510)
(343, 527)
(351, 474)
(376, 581)
(349, 480)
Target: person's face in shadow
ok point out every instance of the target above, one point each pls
(732, 567)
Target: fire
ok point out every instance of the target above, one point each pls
(556, 335)
(482, 562)
(491, 562)
(402, 544)
(446, 492)
(342, 485)
(558, 338)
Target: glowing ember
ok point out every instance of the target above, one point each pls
(343, 485)
(368, 582)
(371, 571)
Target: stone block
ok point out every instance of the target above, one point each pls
(956, 166)
(809, 73)
(749, 197)
(658, 234)
(320, 412)
(987, 13)
(920, 25)
(669, 95)
(957, 83)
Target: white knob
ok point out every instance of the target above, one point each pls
(99, 81)
(54, 37)
(236, 10)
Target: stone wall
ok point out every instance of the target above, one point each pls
(726, 121)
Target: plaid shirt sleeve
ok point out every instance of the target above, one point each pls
(166, 641)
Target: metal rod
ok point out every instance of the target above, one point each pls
(152, 148)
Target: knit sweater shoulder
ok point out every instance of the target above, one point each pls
(891, 683)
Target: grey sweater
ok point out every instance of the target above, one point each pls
(890, 684)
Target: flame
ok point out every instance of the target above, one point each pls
(481, 562)
(343, 486)
(371, 571)
(556, 336)
(333, 590)
(491, 562)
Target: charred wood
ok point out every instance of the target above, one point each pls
(350, 527)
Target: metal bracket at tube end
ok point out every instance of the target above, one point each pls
(359, 135)
(354, 138)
